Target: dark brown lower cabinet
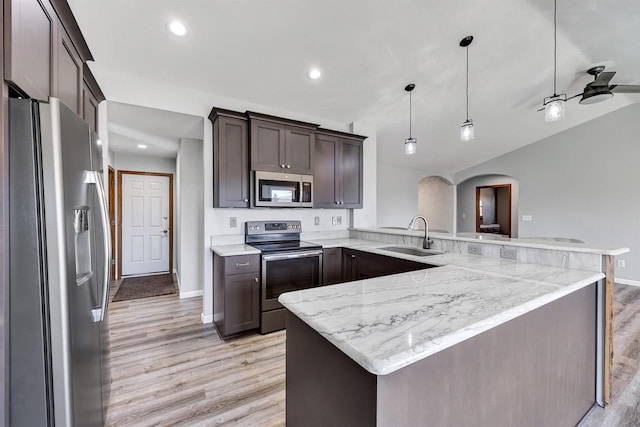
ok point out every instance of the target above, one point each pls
(358, 265)
(236, 294)
(331, 266)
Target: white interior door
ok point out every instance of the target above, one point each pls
(145, 224)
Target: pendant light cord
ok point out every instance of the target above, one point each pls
(555, 44)
(410, 114)
(467, 83)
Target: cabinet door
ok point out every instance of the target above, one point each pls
(68, 73)
(241, 303)
(299, 150)
(348, 265)
(325, 191)
(30, 41)
(350, 177)
(267, 146)
(89, 107)
(331, 266)
(231, 179)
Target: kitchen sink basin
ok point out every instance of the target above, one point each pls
(410, 250)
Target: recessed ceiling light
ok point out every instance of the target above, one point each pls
(142, 146)
(177, 28)
(314, 74)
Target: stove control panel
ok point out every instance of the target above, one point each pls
(273, 227)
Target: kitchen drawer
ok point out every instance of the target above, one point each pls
(241, 264)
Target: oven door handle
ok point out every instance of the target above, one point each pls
(291, 255)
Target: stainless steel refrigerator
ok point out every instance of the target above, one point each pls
(59, 269)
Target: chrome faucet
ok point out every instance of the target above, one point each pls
(426, 243)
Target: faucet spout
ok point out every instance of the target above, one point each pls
(426, 243)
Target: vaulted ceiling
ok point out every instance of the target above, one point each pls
(259, 52)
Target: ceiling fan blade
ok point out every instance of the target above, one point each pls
(603, 78)
(625, 88)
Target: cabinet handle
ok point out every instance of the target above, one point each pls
(255, 279)
(353, 256)
(246, 200)
(282, 166)
(288, 166)
(244, 264)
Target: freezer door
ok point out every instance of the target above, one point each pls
(72, 251)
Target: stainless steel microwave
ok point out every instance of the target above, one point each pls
(283, 190)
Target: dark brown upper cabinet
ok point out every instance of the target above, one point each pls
(91, 96)
(30, 46)
(44, 50)
(69, 74)
(338, 167)
(281, 145)
(230, 159)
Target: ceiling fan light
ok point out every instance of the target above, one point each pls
(466, 131)
(410, 146)
(554, 109)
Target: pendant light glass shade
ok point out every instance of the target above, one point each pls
(466, 131)
(554, 108)
(410, 146)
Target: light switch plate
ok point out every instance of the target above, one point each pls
(316, 220)
(233, 222)
(622, 263)
(334, 220)
(527, 217)
(339, 219)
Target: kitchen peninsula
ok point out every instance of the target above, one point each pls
(479, 341)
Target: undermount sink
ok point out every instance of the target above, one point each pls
(410, 250)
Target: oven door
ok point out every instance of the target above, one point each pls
(288, 271)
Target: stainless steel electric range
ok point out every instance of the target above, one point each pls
(288, 264)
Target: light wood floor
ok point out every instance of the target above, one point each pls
(168, 369)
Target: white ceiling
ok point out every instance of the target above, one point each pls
(161, 131)
(259, 52)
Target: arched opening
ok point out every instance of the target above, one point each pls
(488, 204)
(436, 197)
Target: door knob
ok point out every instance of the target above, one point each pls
(165, 231)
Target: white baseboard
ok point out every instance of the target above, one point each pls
(206, 318)
(628, 282)
(191, 294)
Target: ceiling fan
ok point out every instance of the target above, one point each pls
(600, 89)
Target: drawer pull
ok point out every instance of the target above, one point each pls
(256, 279)
(244, 264)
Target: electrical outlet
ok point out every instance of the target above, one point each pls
(233, 222)
(507, 252)
(527, 218)
(340, 220)
(464, 215)
(475, 249)
(334, 220)
(316, 220)
(622, 263)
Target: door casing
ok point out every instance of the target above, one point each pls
(170, 176)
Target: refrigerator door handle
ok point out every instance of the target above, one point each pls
(94, 177)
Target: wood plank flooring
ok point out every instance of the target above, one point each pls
(168, 369)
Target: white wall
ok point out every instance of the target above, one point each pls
(397, 194)
(189, 220)
(581, 183)
(435, 202)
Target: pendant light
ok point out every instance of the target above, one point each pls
(466, 130)
(554, 105)
(410, 145)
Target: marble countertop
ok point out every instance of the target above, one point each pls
(537, 243)
(387, 323)
(232, 250)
